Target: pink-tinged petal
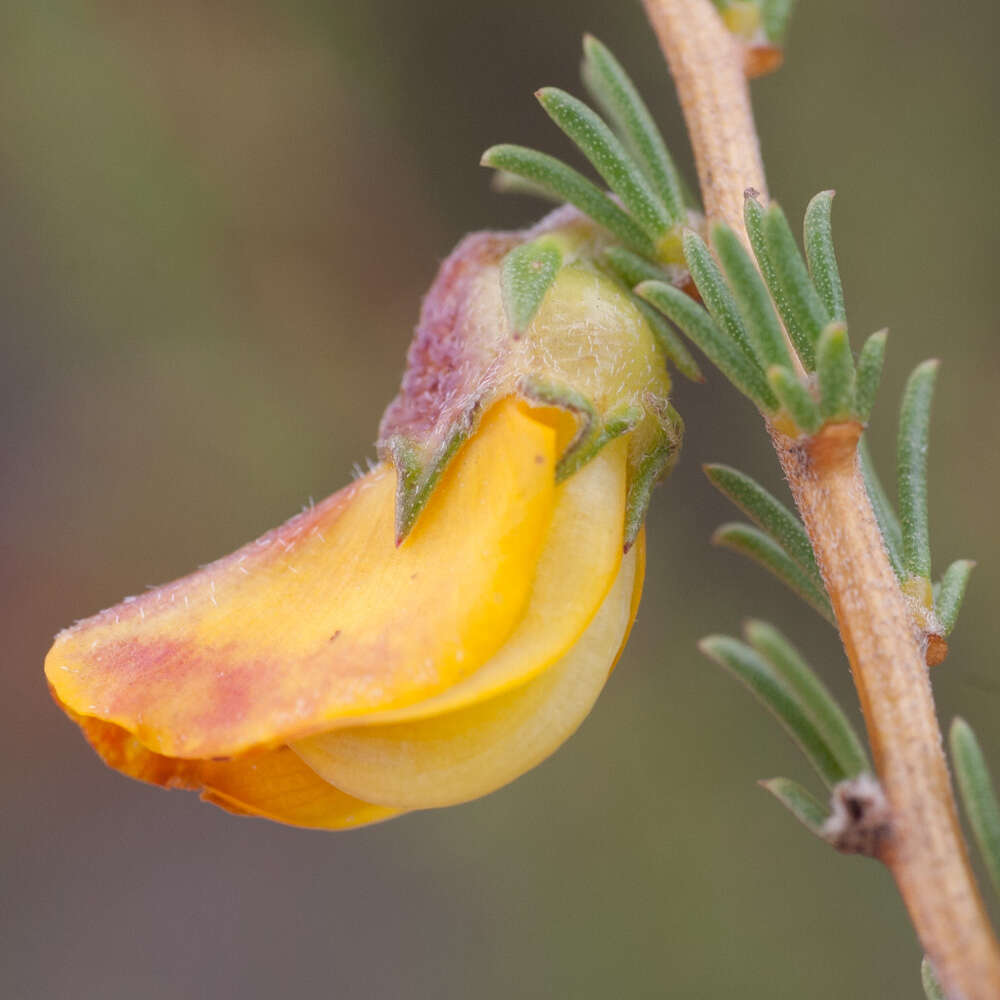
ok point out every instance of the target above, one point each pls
(324, 618)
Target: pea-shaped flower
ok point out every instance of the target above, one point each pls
(444, 623)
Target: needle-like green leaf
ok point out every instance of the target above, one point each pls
(507, 183)
(888, 523)
(835, 373)
(715, 293)
(758, 675)
(526, 274)
(618, 98)
(671, 344)
(608, 156)
(753, 219)
(801, 308)
(837, 733)
(978, 795)
(911, 468)
(632, 270)
(821, 256)
(698, 326)
(768, 513)
(869, 374)
(775, 15)
(795, 398)
(950, 592)
(752, 542)
(929, 981)
(754, 303)
(803, 805)
(567, 184)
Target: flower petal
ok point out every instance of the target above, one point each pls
(324, 618)
(463, 754)
(576, 569)
(274, 785)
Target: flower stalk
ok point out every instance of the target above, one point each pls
(923, 849)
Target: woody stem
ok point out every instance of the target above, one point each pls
(923, 849)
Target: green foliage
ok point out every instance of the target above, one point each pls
(763, 549)
(826, 714)
(885, 515)
(566, 184)
(769, 514)
(978, 795)
(796, 399)
(774, 671)
(617, 96)
(608, 157)
(715, 293)
(870, 362)
(835, 374)
(630, 155)
(928, 979)
(911, 467)
(803, 805)
(795, 295)
(763, 328)
(775, 15)
(723, 352)
(526, 274)
(822, 257)
(631, 270)
(949, 592)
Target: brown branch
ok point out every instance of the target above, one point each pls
(923, 848)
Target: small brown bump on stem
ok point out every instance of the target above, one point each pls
(937, 650)
(860, 820)
(762, 59)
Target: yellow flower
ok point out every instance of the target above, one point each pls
(444, 623)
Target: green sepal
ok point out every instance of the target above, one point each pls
(466, 356)
(949, 592)
(567, 184)
(526, 274)
(929, 981)
(822, 257)
(716, 295)
(593, 430)
(978, 795)
(749, 667)
(775, 15)
(698, 326)
(837, 733)
(798, 301)
(769, 514)
(625, 109)
(835, 374)
(762, 324)
(911, 468)
(752, 542)
(795, 398)
(803, 805)
(651, 458)
(888, 523)
(417, 477)
(609, 158)
(869, 375)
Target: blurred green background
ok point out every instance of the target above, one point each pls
(218, 220)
